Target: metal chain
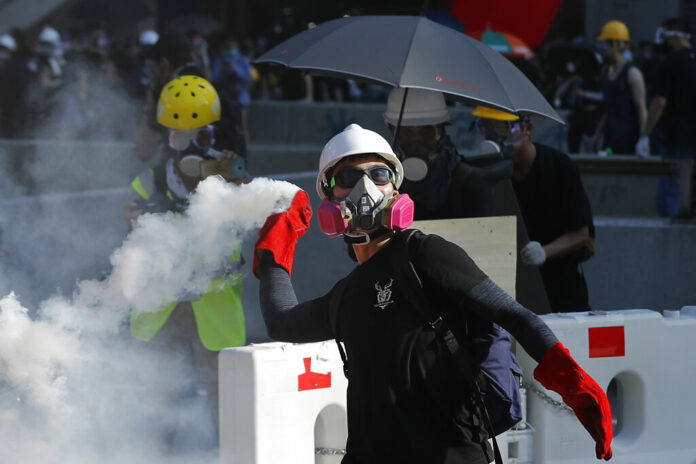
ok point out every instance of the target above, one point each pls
(546, 398)
(329, 451)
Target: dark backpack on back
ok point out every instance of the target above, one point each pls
(495, 381)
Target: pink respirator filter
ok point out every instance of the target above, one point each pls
(401, 213)
(331, 221)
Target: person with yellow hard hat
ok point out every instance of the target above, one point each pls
(170, 57)
(553, 204)
(206, 323)
(623, 91)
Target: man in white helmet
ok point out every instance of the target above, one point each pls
(408, 400)
(440, 183)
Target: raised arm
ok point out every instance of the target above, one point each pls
(274, 253)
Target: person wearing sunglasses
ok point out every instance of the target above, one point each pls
(436, 177)
(198, 324)
(405, 402)
(553, 204)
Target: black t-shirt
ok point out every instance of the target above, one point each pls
(405, 401)
(676, 82)
(553, 201)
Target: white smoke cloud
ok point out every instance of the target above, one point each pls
(74, 387)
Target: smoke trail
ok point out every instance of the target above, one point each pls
(76, 388)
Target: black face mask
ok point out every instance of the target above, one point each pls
(418, 149)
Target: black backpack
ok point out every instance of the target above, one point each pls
(495, 381)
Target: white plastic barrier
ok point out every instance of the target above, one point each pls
(646, 364)
(282, 403)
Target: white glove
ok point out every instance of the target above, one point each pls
(533, 253)
(643, 146)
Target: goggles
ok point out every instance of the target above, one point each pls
(203, 138)
(348, 177)
(197, 166)
(497, 130)
(661, 34)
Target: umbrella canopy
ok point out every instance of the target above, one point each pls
(412, 52)
(503, 42)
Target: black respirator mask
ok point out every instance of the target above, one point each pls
(418, 149)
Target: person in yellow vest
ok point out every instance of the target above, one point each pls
(204, 324)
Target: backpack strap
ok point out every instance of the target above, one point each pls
(334, 305)
(406, 272)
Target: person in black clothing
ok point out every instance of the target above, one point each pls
(436, 177)
(554, 207)
(623, 90)
(406, 402)
(673, 104)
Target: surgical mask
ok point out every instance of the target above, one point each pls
(200, 139)
(365, 209)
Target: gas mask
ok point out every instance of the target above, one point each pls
(363, 211)
(499, 136)
(418, 149)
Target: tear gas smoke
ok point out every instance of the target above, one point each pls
(75, 387)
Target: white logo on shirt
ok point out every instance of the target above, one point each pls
(383, 295)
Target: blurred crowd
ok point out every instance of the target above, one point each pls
(53, 84)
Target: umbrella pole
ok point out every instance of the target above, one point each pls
(401, 115)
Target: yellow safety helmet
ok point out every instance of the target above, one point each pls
(188, 102)
(614, 30)
(490, 113)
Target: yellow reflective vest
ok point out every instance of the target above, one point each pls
(218, 312)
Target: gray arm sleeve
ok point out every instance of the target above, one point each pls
(491, 302)
(285, 319)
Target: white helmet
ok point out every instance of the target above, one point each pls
(354, 140)
(423, 107)
(7, 41)
(148, 37)
(50, 35)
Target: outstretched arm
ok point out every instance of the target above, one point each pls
(447, 269)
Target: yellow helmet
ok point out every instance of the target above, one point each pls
(614, 30)
(188, 102)
(490, 113)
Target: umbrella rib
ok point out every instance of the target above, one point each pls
(410, 47)
(497, 79)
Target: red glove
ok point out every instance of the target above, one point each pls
(559, 372)
(280, 232)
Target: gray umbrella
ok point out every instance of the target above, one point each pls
(412, 52)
